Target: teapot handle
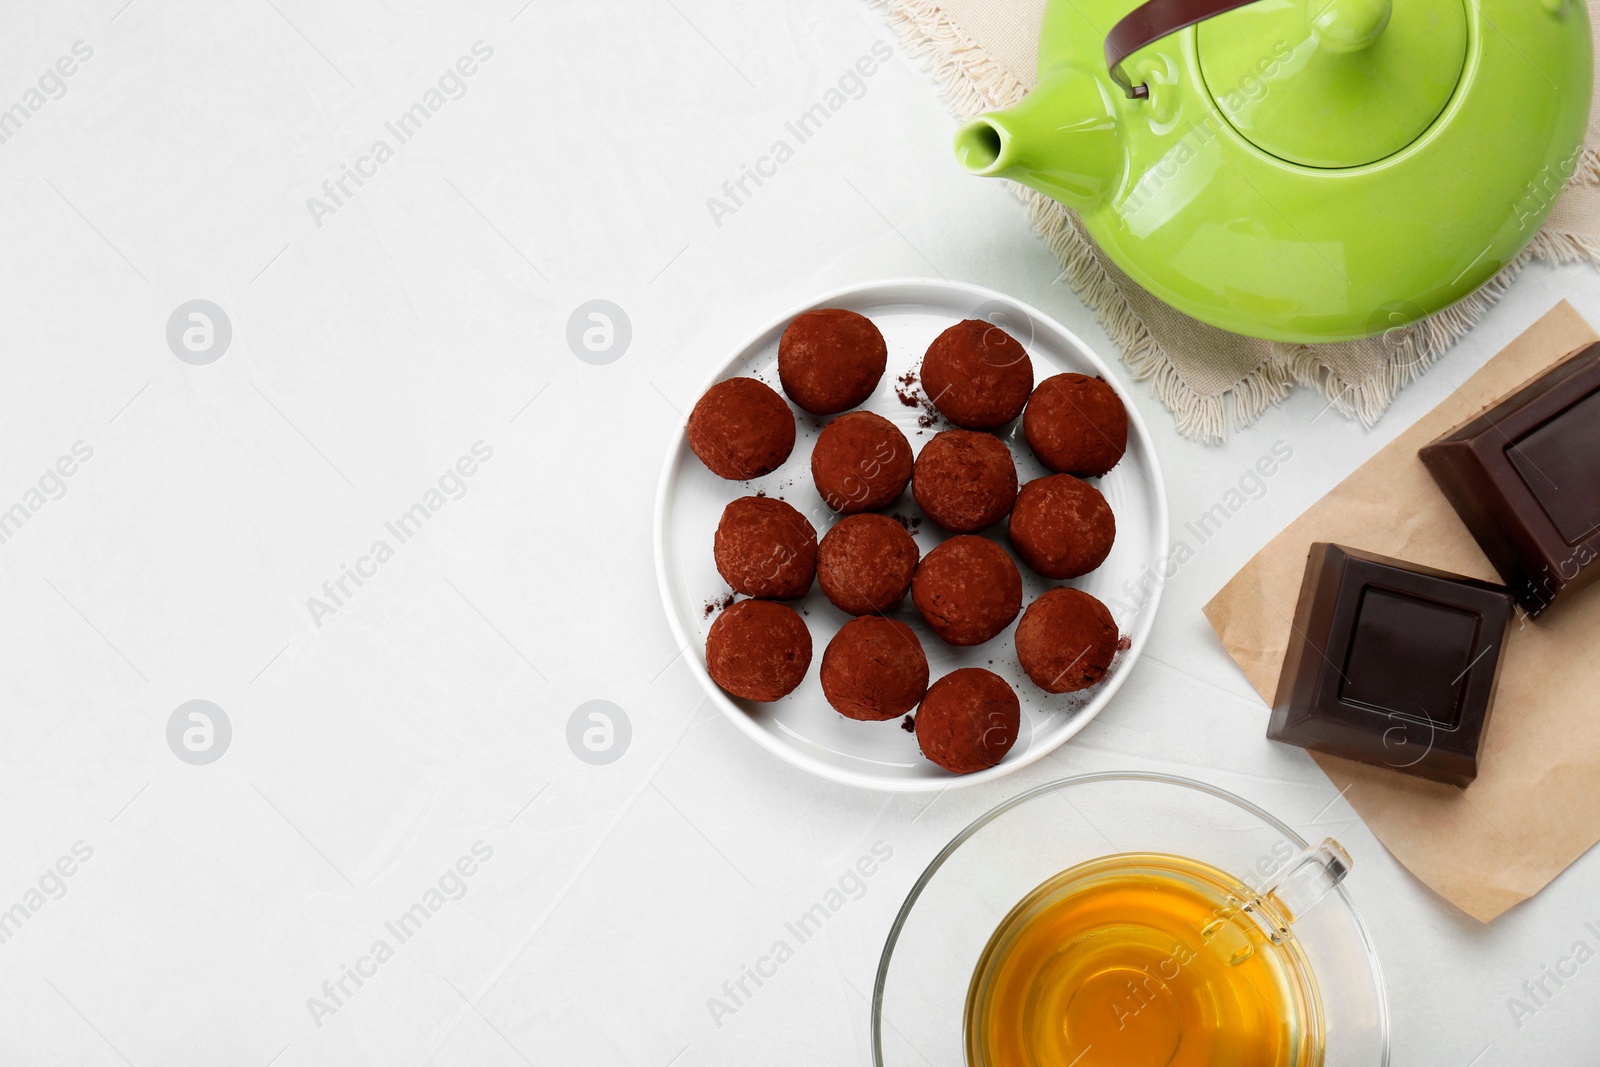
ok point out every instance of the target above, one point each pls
(1148, 23)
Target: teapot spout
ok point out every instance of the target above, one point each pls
(1061, 140)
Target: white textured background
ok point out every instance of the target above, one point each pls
(430, 711)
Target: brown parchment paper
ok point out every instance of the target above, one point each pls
(1535, 806)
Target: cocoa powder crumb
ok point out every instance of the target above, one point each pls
(1073, 703)
(907, 390)
(909, 724)
(910, 393)
(1124, 643)
(717, 604)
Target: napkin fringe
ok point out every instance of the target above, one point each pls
(1588, 170)
(971, 81)
(1412, 351)
(1564, 246)
(1418, 347)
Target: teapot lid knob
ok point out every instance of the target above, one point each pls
(1348, 25)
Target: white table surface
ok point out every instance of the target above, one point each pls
(429, 712)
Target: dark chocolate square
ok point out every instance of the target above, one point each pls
(1409, 657)
(1391, 664)
(1560, 463)
(1525, 478)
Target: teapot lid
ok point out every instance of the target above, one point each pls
(1333, 83)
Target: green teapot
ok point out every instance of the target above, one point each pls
(1301, 170)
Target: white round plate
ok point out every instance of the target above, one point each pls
(801, 727)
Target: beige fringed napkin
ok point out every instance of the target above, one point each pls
(1535, 806)
(983, 53)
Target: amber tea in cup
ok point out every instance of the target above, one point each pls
(1143, 959)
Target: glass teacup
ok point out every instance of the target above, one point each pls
(1129, 919)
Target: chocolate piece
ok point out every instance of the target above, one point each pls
(977, 375)
(861, 462)
(1066, 640)
(968, 721)
(966, 481)
(874, 669)
(830, 360)
(741, 429)
(765, 548)
(1076, 424)
(1061, 526)
(968, 589)
(1391, 664)
(758, 650)
(1525, 478)
(865, 564)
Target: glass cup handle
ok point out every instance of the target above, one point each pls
(1306, 879)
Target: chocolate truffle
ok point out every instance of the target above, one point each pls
(968, 589)
(965, 481)
(1062, 527)
(977, 375)
(1066, 640)
(865, 564)
(1076, 424)
(874, 669)
(766, 548)
(741, 429)
(861, 462)
(758, 650)
(968, 721)
(830, 360)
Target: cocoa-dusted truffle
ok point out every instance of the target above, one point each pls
(741, 428)
(1062, 527)
(766, 548)
(1065, 640)
(968, 589)
(1076, 424)
(865, 564)
(758, 650)
(861, 462)
(965, 481)
(977, 375)
(830, 360)
(968, 721)
(874, 668)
